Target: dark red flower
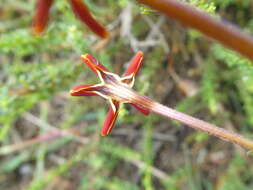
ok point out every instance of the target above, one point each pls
(79, 8)
(114, 88)
(118, 90)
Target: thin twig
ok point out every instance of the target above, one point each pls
(53, 133)
(83, 140)
(156, 172)
(40, 123)
(24, 144)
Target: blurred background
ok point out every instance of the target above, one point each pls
(51, 141)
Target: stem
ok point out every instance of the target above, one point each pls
(225, 33)
(193, 122)
(203, 126)
(21, 145)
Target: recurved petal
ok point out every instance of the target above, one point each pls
(141, 109)
(82, 12)
(135, 65)
(41, 16)
(94, 65)
(85, 90)
(110, 119)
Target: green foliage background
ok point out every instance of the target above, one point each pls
(151, 152)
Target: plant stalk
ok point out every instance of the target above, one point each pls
(223, 32)
(193, 122)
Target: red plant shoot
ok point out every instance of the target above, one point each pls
(41, 17)
(80, 10)
(118, 90)
(223, 32)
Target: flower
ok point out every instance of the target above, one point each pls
(114, 88)
(79, 8)
(118, 90)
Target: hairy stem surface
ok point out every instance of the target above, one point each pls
(192, 121)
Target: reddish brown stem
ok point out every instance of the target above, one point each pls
(82, 12)
(21, 145)
(191, 121)
(225, 33)
(203, 126)
(41, 17)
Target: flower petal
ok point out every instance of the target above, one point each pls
(84, 90)
(110, 118)
(41, 17)
(93, 63)
(135, 65)
(82, 12)
(141, 109)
